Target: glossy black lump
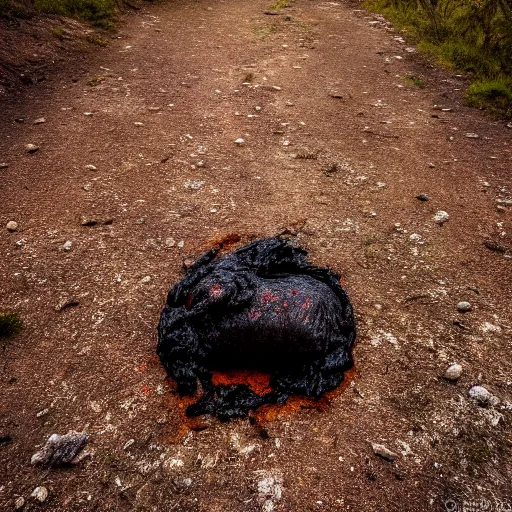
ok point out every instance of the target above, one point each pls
(262, 307)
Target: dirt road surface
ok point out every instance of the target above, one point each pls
(341, 134)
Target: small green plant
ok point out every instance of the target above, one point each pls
(414, 80)
(262, 31)
(10, 324)
(58, 33)
(279, 4)
(99, 41)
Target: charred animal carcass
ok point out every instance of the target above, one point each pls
(263, 307)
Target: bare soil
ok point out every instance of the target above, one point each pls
(335, 156)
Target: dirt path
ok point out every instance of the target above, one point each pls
(342, 174)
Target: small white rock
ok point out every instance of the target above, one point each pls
(40, 120)
(42, 413)
(128, 444)
(90, 167)
(12, 225)
(88, 114)
(239, 141)
(471, 135)
(441, 217)
(31, 148)
(138, 123)
(19, 502)
(464, 306)
(40, 494)
(483, 396)
(453, 372)
(67, 245)
(145, 280)
(382, 451)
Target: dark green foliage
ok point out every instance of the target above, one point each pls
(10, 324)
(98, 12)
(474, 36)
(101, 13)
(495, 95)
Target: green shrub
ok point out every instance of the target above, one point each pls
(495, 95)
(98, 12)
(470, 35)
(10, 324)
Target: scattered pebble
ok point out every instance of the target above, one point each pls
(382, 451)
(12, 225)
(482, 396)
(239, 141)
(31, 148)
(194, 184)
(60, 450)
(145, 280)
(91, 167)
(422, 197)
(40, 120)
(472, 136)
(66, 303)
(441, 217)
(182, 484)
(88, 114)
(128, 444)
(42, 413)
(138, 123)
(453, 372)
(19, 502)
(464, 306)
(67, 245)
(3, 165)
(40, 494)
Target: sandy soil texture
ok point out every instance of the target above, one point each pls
(138, 169)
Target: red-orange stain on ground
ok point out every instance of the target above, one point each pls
(142, 367)
(260, 383)
(224, 242)
(257, 381)
(146, 390)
